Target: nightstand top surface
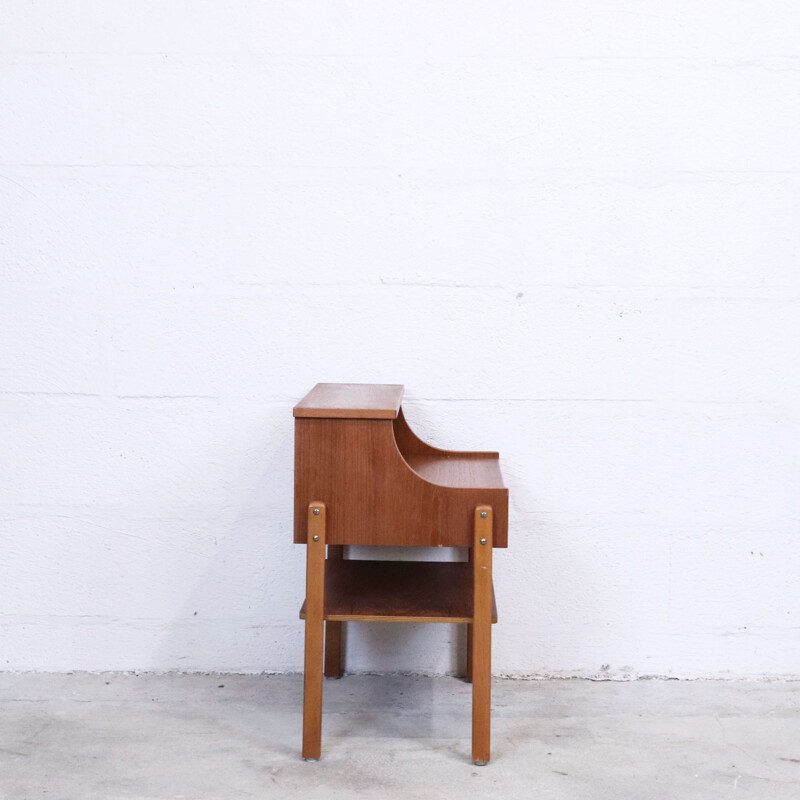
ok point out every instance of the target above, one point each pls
(351, 401)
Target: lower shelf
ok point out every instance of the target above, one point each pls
(398, 591)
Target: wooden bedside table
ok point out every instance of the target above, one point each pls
(362, 477)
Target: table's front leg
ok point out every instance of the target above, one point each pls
(481, 643)
(315, 632)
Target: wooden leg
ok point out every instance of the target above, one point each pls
(315, 632)
(482, 636)
(468, 676)
(469, 634)
(333, 630)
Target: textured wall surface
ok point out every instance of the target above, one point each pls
(571, 229)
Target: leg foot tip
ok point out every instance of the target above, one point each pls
(307, 758)
(480, 763)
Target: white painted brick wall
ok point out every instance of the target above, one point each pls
(571, 229)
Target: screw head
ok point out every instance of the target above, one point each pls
(316, 512)
(483, 514)
(316, 538)
(483, 541)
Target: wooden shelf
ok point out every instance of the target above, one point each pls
(467, 470)
(398, 591)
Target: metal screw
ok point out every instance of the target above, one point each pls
(483, 514)
(483, 541)
(316, 538)
(316, 512)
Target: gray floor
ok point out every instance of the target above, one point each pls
(233, 736)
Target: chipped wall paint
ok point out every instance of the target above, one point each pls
(570, 231)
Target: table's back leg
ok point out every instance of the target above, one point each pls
(482, 636)
(334, 652)
(469, 633)
(315, 632)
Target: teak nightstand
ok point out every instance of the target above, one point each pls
(362, 477)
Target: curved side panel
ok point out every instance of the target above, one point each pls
(374, 497)
(410, 444)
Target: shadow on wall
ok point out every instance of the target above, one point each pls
(239, 612)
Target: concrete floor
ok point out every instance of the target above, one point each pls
(201, 737)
